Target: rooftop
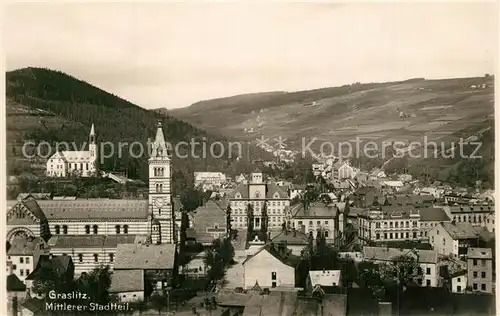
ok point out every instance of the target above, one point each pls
(461, 230)
(24, 246)
(316, 210)
(433, 214)
(389, 254)
(145, 257)
(90, 241)
(127, 281)
(479, 253)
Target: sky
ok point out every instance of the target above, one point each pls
(175, 54)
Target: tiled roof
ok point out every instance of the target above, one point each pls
(90, 241)
(388, 254)
(78, 156)
(472, 209)
(140, 256)
(396, 210)
(325, 277)
(95, 209)
(22, 246)
(287, 259)
(37, 196)
(299, 239)
(434, 214)
(60, 263)
(479, 253)
(460, 230)
(207, 216)
(14, 284)
(127, 281)
(316, 210)
(271, 190)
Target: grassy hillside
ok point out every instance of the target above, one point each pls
(436, 108)
(46, 105)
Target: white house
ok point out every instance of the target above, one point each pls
(24, 253)
(78, 163)
(459, 282)
(325, 278)
(128, 285)
(453, 238)
(272, 266)
(428, 260)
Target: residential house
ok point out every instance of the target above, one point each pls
(453, 238)
(15, 288)
(318, 217)
(213, 178)
(294, 240)
(393, 185)
(327, 279)
(155, 260)
(210, 223)
(480, 269)
(342, 170)
(388, 223)
(459, 281)
(296, 190)
(63, 265)
(476, 215)
(428, 260)
(258, 193)
(273, 266)
(377, 174)
(128, 285)
(24, 253)
(430, 217)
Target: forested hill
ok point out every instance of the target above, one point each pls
(51, 106)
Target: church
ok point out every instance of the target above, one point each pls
(78, 163)
(90, 230)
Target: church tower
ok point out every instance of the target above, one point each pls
(160, 199)
(93, 148)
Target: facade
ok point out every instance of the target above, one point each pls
(342, 170)
(89, 230)
(324, 278)
(272, 266)
(24, 254)
(389, 223)
(258, 193)
(430, 217)
(318, 217)
(453, 239)
(294, 240)
(76, 163)
(480, 269)
(459, 282)
(475, 215)
(210, 223)
(213, 178)
(128, 285)
(428, 260)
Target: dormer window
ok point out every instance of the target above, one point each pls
(238, 196)
(257, 194)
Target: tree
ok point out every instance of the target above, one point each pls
(190, 199)
(99, 281)
(228, 220)
(47, 279)
(264, 221)
(159, 302)
(250, 224)
(402, 270)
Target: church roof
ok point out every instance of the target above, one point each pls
(159, 147)
(21, 245)
(145, 257)
(90, 241)
(92, 130)
(94, 209)
(206, 217)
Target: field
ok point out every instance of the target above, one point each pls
(403, 111)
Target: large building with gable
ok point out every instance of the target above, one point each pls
(90, 230)
(257, 193)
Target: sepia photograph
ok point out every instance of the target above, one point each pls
(240, 158)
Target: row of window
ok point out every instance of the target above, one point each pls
(396, 235)
(483, 286)
(475, 274)
(23, 272)
(318, 223)
(473, 219)
(96, 257)
(23, 260)
(270, 211)
(483, 262)
(260, 203)
(95, 229)
(159, 172)
(401, 224)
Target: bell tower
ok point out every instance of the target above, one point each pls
(160, 199)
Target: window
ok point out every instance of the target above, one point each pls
(483, 262)
(326, 222)
(396, 225)
(458, 280)
(95, 229)
(326, 234)
(474, 286)
(111, 257)
(96, 257)
(273, 284)
(483, 275)
(407, 224)
(378, 236)
(377, 225)
(428, 271)
(27, 259)
(415, 235)
(117, 227)
(390, 224)
(474, 262)
(80, 257)
(407, 235)
(310, 223)
(58, 229)
(21, 272)
(87, 229)
(27, 272)
(459, 288)
(428, 282)
(21, 260)
(390, 236)
(483, 287)
(65, 229)
(414, 224)
(474, 275)
(273, 276)
(318, 223)
(385, 235)
(125, 229)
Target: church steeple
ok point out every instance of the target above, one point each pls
(159, 147)
(92, 142)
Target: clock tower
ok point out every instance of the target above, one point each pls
(160, 200)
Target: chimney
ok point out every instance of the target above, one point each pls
(384, 308)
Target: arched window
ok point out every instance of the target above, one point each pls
(111, 257)
(117, 229)
(58, 229)
(80, 257)
(125, 229)
(65, 229)
(161, 187)
(87, 229)
(96, 257)
(157, 187)
(159, 211)
(95, 229)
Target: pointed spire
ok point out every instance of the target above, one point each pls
(92, 130)
(159, 146)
